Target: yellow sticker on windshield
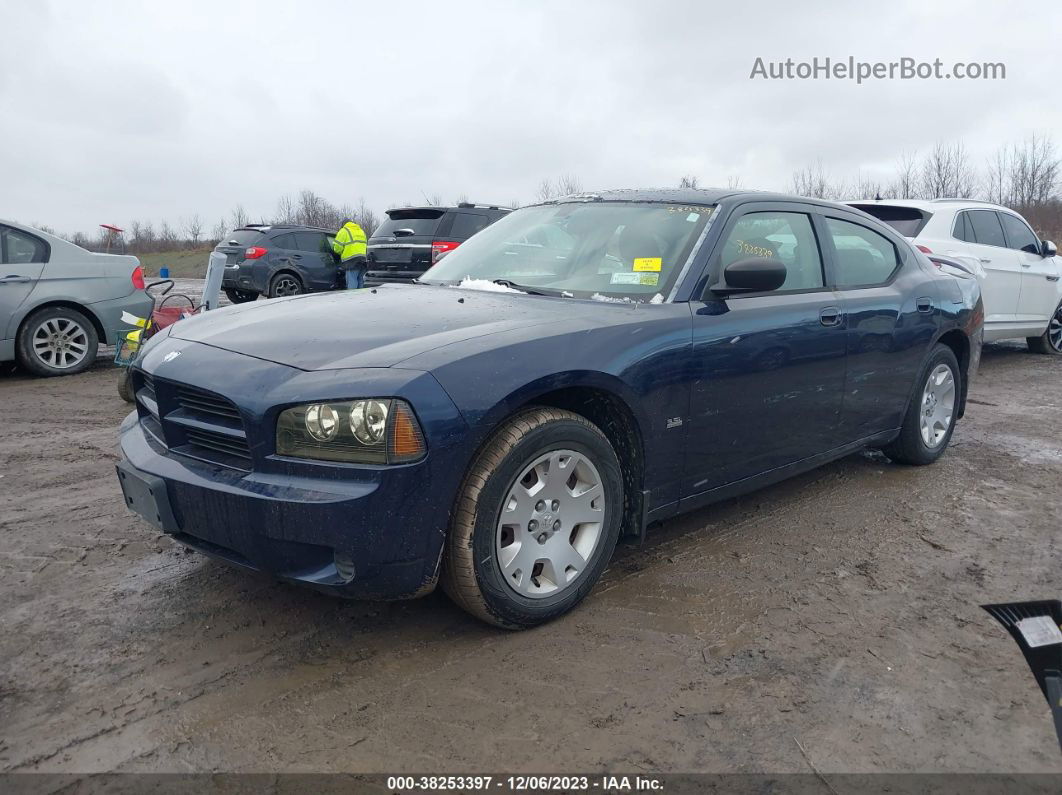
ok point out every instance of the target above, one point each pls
(642, 264)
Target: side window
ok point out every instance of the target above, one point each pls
(788, 237)
(310, 241)
(961, 231)
(1019, 235)
(467, 224)
(286, 242)
(20, 248)
(864, 257)
(986, 228)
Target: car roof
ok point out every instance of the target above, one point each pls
(449, 209)
(705, 196)
(929, 205)
(286, 227)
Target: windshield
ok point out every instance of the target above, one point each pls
(609, 249)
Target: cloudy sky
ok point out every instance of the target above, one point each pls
(121, 110)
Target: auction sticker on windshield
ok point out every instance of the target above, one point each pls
(649, 279)
(647, 264)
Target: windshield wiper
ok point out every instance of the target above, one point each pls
(530, 290)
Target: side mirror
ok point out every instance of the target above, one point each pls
(1047, 248)
(751, 275)
(402, 232)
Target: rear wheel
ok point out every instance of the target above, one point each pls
(57, 340)
(930, 419)
(285, 284)
(1050, 342)
(536, 521)
(240, 296)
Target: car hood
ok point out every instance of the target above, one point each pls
(378, 327)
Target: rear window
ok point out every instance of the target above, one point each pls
(241, 237)
(467, 224)
(422, 222)
(908, 221)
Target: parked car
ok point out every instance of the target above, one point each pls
(278, 260)
(59, 302)
(412, 239)
(609, 374)
(1019, 272)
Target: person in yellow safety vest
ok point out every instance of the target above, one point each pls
(349, 246)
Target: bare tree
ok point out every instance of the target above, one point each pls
(814, 182)
(513, 204)
(220, 230)
(1034, 172)
(545, 191)
(905, 183)
(462, 199)
(193, 227)
(689, 181)
(946, 172)
(285, 210)
(366, 218)
(868, 188)
(434, 200)
(567, 184)
(238, 218)
(733, 183)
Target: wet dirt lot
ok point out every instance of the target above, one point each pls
(832, 620)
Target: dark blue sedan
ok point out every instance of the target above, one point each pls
(574, 373)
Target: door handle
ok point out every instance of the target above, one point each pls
(296, 256)
(1026, 265)
(15, 279)
(924, 304)
(830, 316)
(986, 260)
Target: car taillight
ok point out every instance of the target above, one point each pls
(438, 250)
(254, 252)
(137, 277)
(923, 249)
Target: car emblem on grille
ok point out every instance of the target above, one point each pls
(169, 357)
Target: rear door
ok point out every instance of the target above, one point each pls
(983, 233)
(315, 259)
(400, 248)
(22, 259)
(1038, 297)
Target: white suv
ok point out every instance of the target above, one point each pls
(1019, 273)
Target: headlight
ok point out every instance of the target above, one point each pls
(363, 431)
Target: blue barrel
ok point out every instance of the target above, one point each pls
(164, 272)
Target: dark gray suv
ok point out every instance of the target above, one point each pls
(412, 239)
(278, 259)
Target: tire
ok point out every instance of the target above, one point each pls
(240, 296)
(285, 284)
(1050, 342)
(476, 574)
(56, 341)
(125, 386)
(911, 446)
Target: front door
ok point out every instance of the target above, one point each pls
(317, 262)
(769, 368)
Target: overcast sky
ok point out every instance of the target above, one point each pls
(122, 110)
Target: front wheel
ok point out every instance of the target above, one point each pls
(1050, 342)
(536, 521)
(930, 418)
(240, 296)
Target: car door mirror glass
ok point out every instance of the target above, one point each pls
(752, 274)
(1048, 249)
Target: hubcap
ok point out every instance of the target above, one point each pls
(938, 405)
(1054, 330)
(287, 286)
(551, 522)
(60, 342)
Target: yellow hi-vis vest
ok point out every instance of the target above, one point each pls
(350, 242)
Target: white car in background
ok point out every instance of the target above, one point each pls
(1019, 272)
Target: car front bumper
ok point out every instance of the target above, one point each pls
(306, 522)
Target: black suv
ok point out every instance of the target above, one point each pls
(278, 259)
(412, 239)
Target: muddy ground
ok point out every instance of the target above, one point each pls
(832, 620)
